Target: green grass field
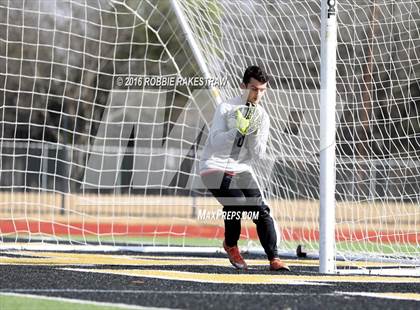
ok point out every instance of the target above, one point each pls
(15, 302)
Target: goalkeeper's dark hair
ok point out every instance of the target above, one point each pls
(257, 73)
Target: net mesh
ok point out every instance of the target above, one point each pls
(95, 150)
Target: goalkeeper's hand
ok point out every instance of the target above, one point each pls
(242, 124)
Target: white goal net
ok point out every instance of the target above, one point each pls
(102, 122)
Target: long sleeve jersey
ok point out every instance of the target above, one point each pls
(217, 153)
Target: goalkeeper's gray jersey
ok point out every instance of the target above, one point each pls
(218, 148)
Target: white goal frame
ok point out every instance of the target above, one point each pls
(351, 215)
(327, 136)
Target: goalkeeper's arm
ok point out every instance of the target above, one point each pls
(220, 135)
(257, 141)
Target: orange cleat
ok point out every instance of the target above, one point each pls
(277, 264)
(235, 257)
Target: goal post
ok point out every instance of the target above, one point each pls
(106, 106)
(195, 48)
(327, 136)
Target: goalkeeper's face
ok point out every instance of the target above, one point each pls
(254, 90)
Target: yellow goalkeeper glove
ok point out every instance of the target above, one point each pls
(242, 124)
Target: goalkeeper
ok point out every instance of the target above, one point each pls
(225, 166)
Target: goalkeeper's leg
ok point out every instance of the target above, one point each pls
(265, 223)
(221, 185)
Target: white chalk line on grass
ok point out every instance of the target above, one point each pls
(156, 292)
(75, 301)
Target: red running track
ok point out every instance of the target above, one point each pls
(193, 231)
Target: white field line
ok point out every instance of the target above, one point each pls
(15, 291)
(71, 300)
(408, 272)
(397, 296)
